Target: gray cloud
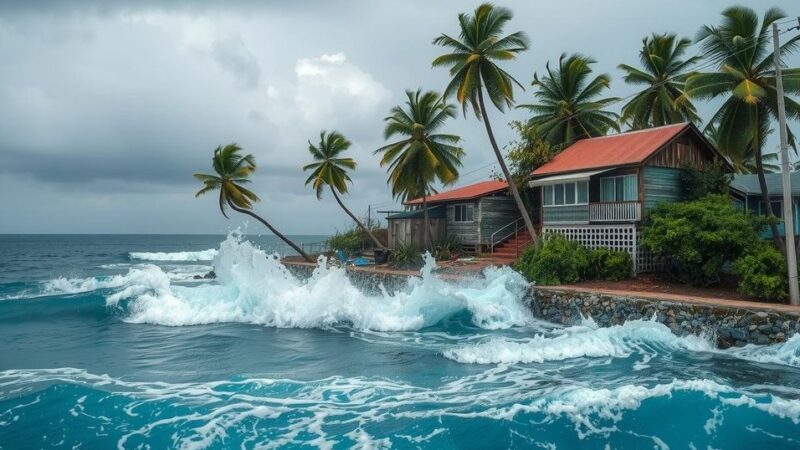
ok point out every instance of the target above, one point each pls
(107, 108)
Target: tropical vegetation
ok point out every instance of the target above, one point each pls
(422, 155)
(568, 105)
(472, 62)
(663, 73)
(744, 78)
(329, 169)
(232, 172)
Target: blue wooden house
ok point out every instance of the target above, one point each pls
(746, 192)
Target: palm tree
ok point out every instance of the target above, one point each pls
(663, 74)
(745, 78)
(473, 69)
(330, 170)
(422, 155)
(233, 171)
(568, 108)
(741, 158)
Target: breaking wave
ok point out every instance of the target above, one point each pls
(202, 255)
(254, 287)
(619, 341)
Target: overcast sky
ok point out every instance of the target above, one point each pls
(106, 111)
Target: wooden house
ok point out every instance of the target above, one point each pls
(472, 213)
(746, 192)
(599, 190)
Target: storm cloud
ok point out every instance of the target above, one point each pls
(108, 108)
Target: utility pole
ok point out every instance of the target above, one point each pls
(369, 216)
(788, 211)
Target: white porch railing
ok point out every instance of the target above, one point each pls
(615, 212)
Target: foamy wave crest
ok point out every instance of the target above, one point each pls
(787, 353)
(254, 287)
(619, 341)
(202, 255)
(146, 275)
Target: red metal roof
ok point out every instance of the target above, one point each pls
(608, 151)
(467, 192)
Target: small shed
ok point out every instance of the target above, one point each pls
(407, 226)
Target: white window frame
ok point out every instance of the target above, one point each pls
(552, 188)
(467, 208)
(619, 179)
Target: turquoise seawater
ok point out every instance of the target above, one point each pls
(108, 342)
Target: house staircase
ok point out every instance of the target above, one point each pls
(508, 242)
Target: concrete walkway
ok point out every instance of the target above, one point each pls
(696, 300)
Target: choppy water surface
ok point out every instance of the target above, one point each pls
(109, 342)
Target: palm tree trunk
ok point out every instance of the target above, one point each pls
(428, 233)
(762, 182)
(273, 230)
(358, 222)
(511, 185)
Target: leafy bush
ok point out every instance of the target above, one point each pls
(695, 239)
(406, 255)
(698, 183)
(555, 260)
(607, 264)
(355, 240)
(445, 248)
(762, 273)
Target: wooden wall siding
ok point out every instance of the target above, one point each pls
(412, 231)
(661, 184)
(496, 212)
(565, 214)
(686, 150)
(467, 232)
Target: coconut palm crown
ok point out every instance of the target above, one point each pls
(328, 168)
(568, 106)
(662, 74)
(232, 171)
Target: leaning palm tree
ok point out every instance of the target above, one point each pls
(422, 155)
(329, 169)
(232, 172)
(473, 69)
(663, 74)
(568, 106)
(745, 79)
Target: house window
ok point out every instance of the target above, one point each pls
(464, 212)
(624, 188)
(576, 193)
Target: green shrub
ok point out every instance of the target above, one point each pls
(611, 265)
(445, 248)
(699, 183)
(406, 256)
(354, 240)
(762, 273)
(695, 239)
(555, 260)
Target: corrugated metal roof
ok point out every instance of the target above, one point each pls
(609, 151)
(434, 212)
(468, 192)
(748, 184)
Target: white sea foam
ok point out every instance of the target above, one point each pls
(619, 341)
(786, 353)
(202, 255)
(254, 287)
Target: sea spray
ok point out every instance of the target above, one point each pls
(254, 287)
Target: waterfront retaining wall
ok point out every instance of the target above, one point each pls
(726, 325)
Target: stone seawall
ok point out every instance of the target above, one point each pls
(729, 325)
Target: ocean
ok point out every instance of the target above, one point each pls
(108, 341)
